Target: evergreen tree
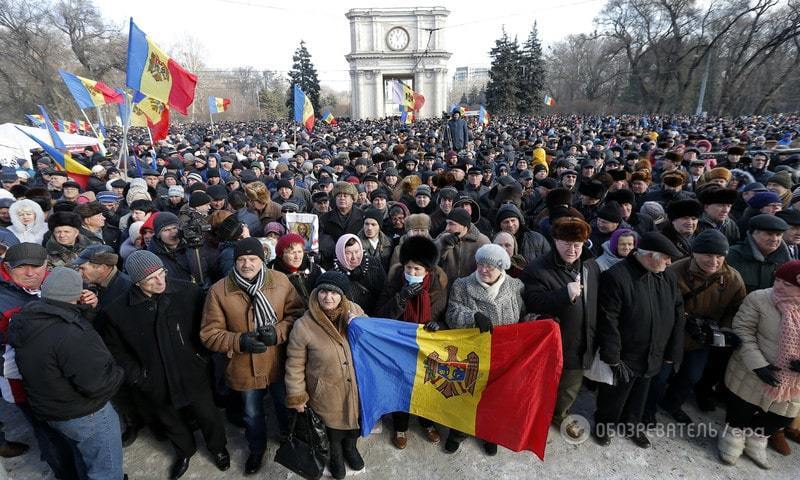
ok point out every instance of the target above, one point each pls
(503, 89)
(532, 75)
(473, 95)
(304, 74)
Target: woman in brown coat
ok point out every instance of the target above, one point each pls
(319, 369)
(416, 292)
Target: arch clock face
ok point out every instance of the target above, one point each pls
(397, 38)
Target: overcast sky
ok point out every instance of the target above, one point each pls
(264, 33)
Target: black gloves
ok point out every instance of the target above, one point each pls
(767, 375)
(432, 326)
(794, 365)
(731, 339)
(702, 333)
(622, 373)
(451, 239)
(410, 291)
(267, 335)
(249, 342)
(483, 322)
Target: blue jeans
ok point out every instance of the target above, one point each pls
(54, 448)
(681, 386)
(254, 419)
(98, 443)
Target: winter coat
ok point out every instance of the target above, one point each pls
(757, 271)
(33, 233)
(66, 368)
(303, 279)
(719, 301)
(758, 324)
(60, 255)
(12, 299)
(381, 253)
(390, 305)
(467, 296)
(118, 285)
(640, 319)
(180, 263)
(727, 228)
(319, 367)
(683, 244)
(366, 283)
(271, 213)
(458, 133)
(530, 244)
(229, 312)
(155, 340)
(252, 221)
(336, 225)
(459, 260)
(546, 294)
(608, 259)
(126, 248)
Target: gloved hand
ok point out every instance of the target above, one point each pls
(432, 326)
(732, 340)
(451, 239)
(410, 291)
(794, 365)
(700, 333)
(767, 375)
(249, 342)
(483, 322)
(267, 335)
(622, 373)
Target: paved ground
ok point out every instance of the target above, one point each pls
(670, 458)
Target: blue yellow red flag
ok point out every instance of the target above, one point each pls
(218, 105)
(328, 118)
(36, 120)
(89, 93)
(549, 101)
(483, 116)
(303, 109)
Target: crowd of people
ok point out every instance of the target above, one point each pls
(169, 292)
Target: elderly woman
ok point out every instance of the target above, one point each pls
(27, 221)
(763, 375)
(416, 292)
(622, 242)
(509, 244)
(319, 369)
(366, 275)
(65, 242)
(291, 260)
(485, 298)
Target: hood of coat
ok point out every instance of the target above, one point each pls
(38, 224)
(39, 315)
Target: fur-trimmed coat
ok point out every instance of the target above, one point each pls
(467, 296)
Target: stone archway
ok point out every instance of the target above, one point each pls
(397, 43)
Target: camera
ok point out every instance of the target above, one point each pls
(193, 230)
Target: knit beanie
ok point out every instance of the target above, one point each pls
(374, 214)
(248, 246)
(712, 242)
(63, 285)
(141, 264)
(494, 255)
(274, 227)
(782, 178)
(340, 245)
(164, 219)
(762, 199)
(230, 229)
(789, 272)
(199, 198)
(610, 212)
(423, 190)
(460, 216)
(287, 241)
(175, 191)
(333, 281)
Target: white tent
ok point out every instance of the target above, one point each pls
(16, 145)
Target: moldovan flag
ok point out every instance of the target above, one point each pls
(403, 95)
(328, 118)
(156, 75)
(36, 120)
(483, 116)
(303, 110)
(149, 112)
(500, 387)
(218, 105)
(549, 101)
(89, 93)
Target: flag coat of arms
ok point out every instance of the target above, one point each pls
(156, 74)
(89, 93)
(218, 105)
(499, 387)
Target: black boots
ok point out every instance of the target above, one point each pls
(336, 462)
(351, 455)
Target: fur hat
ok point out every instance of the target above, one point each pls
(592, 188)
(90, 209)
(726, 196)
(641, 175)
(610, 212)
(675, 157)
(510, 193)
(719, 172)
(558, 196)
(617, 175)
(419, 250)
(570, 229)
(419, 221)
(621, 196)
(257, 192)
(346, 188)
(684, 208)
(674, 178)
(64, 219)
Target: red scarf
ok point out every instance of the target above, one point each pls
(418, 309)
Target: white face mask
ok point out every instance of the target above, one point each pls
(412, 279)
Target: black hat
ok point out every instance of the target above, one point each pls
(592, 188)
(460, 216)
(199, 198)
(248, 246)
(610, 212)
(508, 210)
(419, 250)
(374, 214)
(684, 208)
(230, 229)
(71, 184)
(548, 183)
(378, 192)
(334, 281)
(64, 219)
(448, 192)
(657, 242)
(283, 184)
(710, 196)
(217, 192)
(712, 242)
(26, 254)
(212, 172)
(790, 216)
(621, 196)
(119, 183)
(317, 197)
(767, 222)
(90, 209)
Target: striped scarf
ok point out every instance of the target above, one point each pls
(262, 309)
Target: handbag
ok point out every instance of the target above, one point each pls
(306, 449)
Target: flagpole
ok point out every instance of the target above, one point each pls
(125, 128)
(90, 123)
(211, 117)
(150, 135)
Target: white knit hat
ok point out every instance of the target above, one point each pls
(494, 255)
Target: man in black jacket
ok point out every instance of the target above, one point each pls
(69, 375)
(153, 333)
(563, 285)
(639, 328)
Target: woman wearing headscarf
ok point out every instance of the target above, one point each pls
(366, 276)
(319, 369)
(509, 243)
(292, 261)
(27, 221)
(622, 242)
(763, 375)
(416, 292)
